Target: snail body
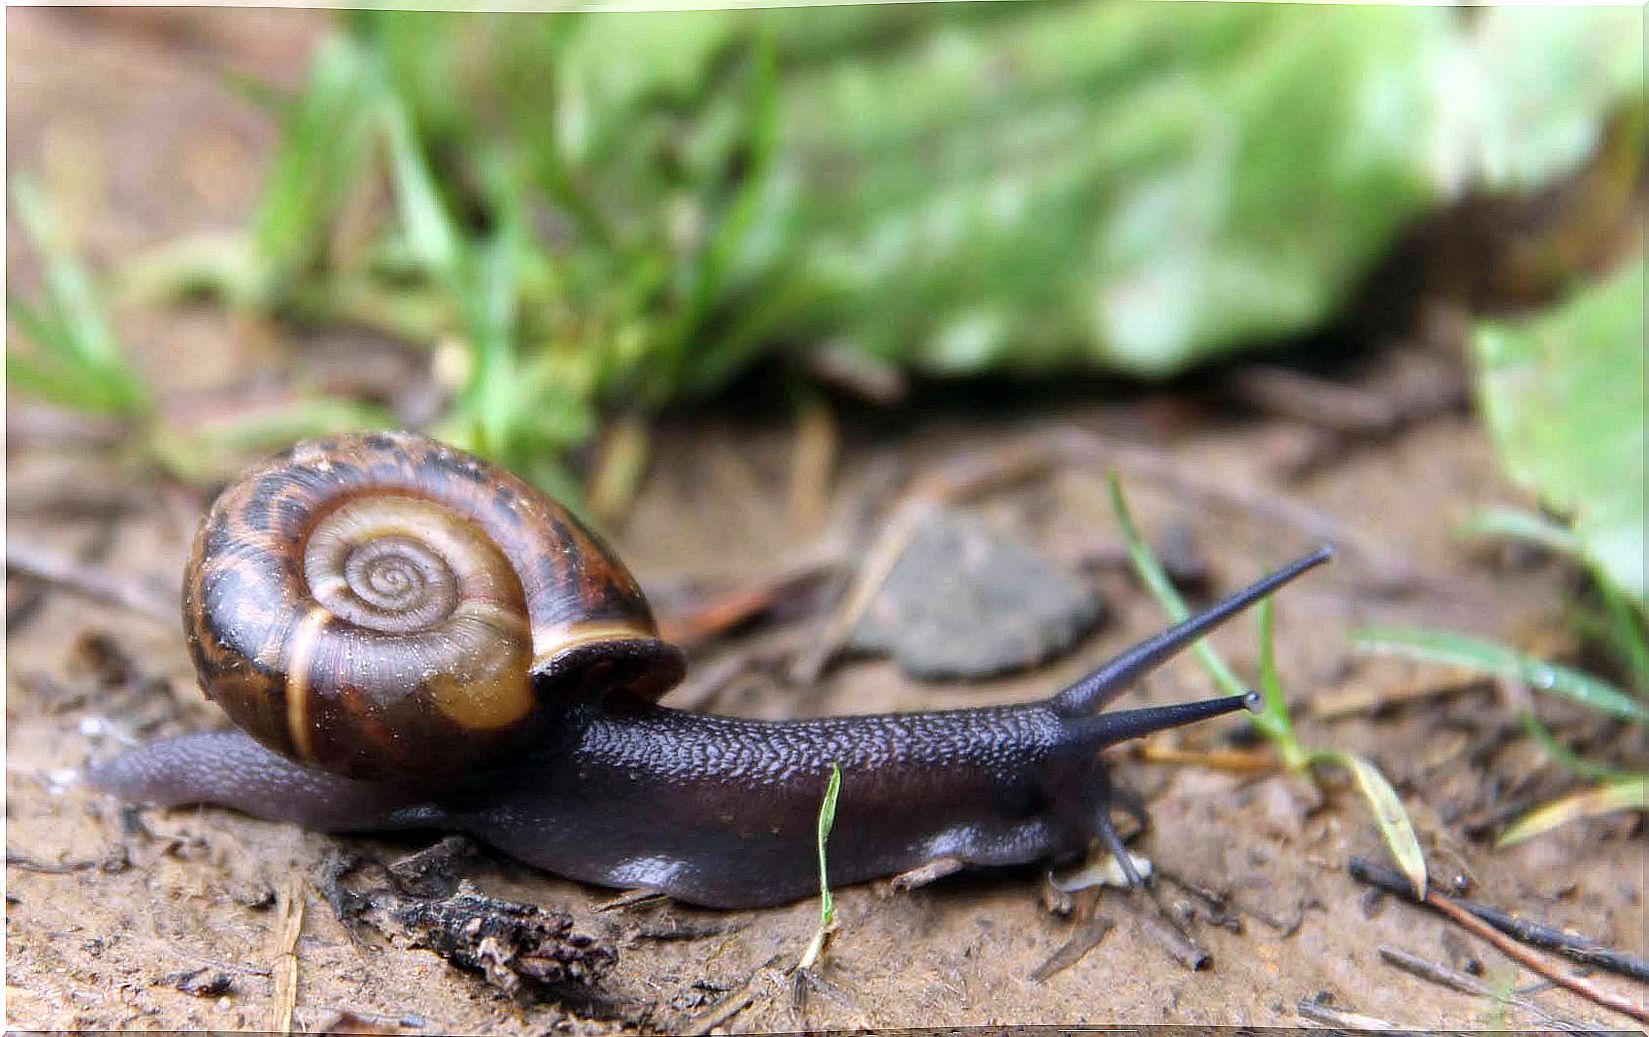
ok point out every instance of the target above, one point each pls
(583, 773)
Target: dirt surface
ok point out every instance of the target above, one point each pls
(126, 919)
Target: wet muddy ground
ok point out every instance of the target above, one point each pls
(205, 919)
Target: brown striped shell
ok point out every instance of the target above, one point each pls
(385, 606)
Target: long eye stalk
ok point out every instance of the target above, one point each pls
(1093, 692)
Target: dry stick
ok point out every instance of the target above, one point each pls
(1085, 936)
(93, 581)
(1461, 983)
(1318, 402)
(720, 612)
(1344, 1020)
(286, 960)
(1153, 921)
(734, 1003)
(1505, 944)
(117, 859)
(1573, 946)
(1234, 761)
(1529, 959)
(812, 462)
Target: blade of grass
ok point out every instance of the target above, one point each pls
(324, 145)
(1437, 646)
(1523, 525)
(1271, 692)
(1389, 815)
(1627, 793)
(1156, 581)
(430, 230)
(1627, 631)
(1274, 721)
(1565, 757)
(1623, 630)
(80, 362)
(827, 903)
(86, 338)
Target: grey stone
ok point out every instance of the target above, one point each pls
(966, 601)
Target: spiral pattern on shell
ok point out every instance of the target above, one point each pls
(385, 606)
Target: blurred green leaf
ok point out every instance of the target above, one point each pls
(947, 189)
(1563, 396)
(320, 160)
(1437, 646)
(1545, 80)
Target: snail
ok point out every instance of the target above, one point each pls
(410, 637)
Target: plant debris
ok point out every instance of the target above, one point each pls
(419, 901)
(515, 946)
(201, 982)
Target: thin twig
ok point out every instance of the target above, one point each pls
(1235, 761)
(720, 612)
(813, 460)
(1458, 981)
(92, 581)
(1535, 962)
(1318, 402)
(286, 960)
(1087, 932)
(1154, 922)
(117, 859)
(1375, 875)
(1573, 946)
(1341, 1020)
(735, 1002)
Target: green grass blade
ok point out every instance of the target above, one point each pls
(1274, 721)
(1451, 649)
(1623, 631)
(1627, 793)
(80, 363)
(1156, 581)
(1523, 525)
(1566, 757)
(827, 821)
(430, 230)
(1275, 718)
(323, 149)
(52, 384)
(86, 337)
(1389, 815)
(827, 903)
(1627, 631)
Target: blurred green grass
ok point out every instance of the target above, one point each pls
(592, 215)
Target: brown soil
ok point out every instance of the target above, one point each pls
(127, 112)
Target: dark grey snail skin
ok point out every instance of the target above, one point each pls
(722, 812)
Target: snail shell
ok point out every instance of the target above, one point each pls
(384, 606)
